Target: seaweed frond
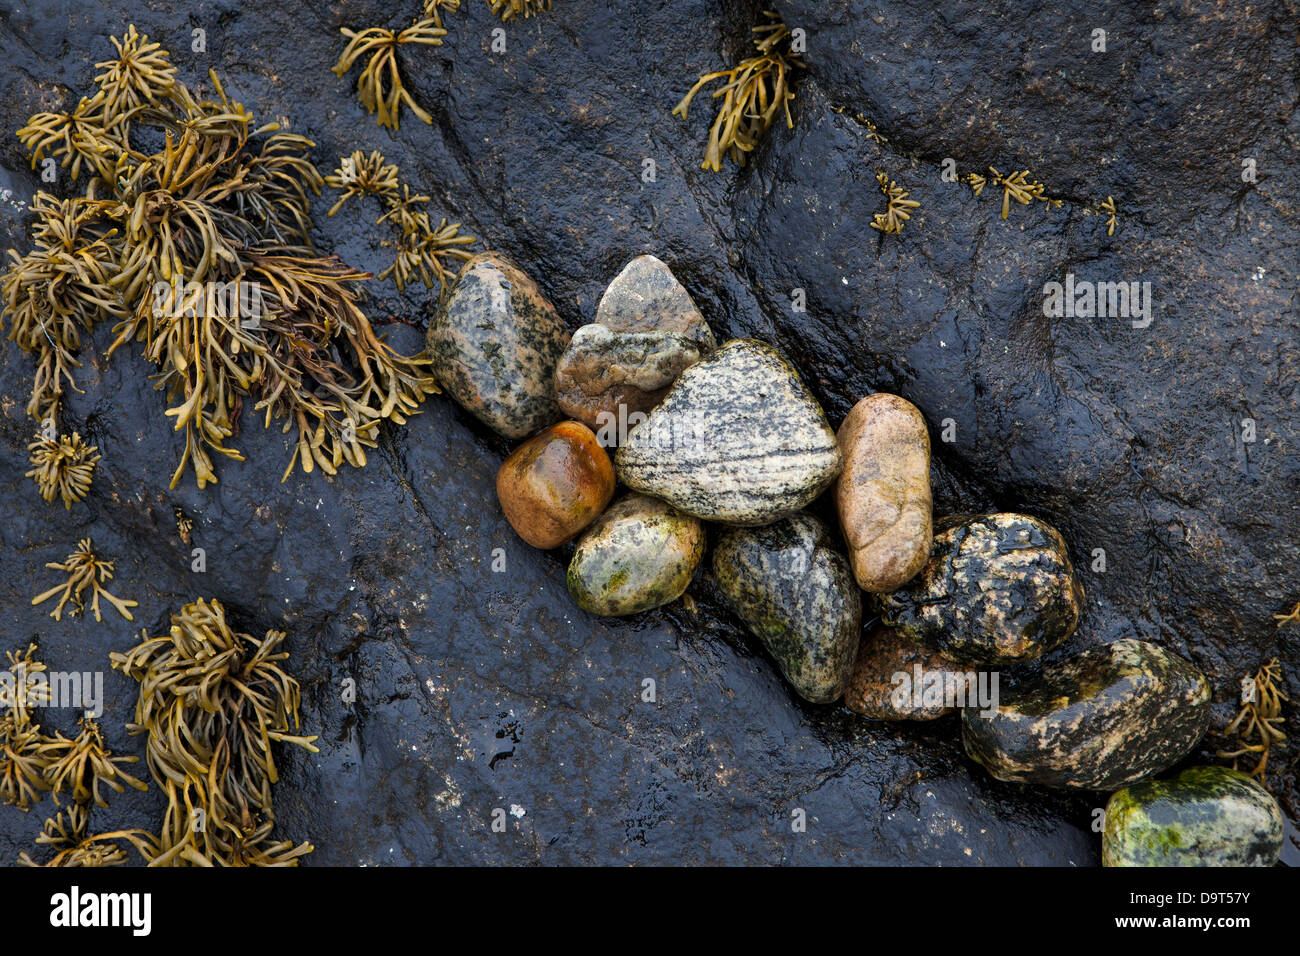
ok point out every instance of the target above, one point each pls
(22, 764)
(433, 9)
(506, 9)
(1112, 221)
(80, 766)
(63, 468)
(1258, 725)
(214, 702)
(976, 183)
(362, 175)
(380, 87)
(84, 570)
(1021, 188)
(898, 210)
(757, 90)
(1290, 617)
(74, 848)
(142, 74)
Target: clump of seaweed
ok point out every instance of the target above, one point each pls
(82, 765)
(362, 175)
(1258, 725)
(23, 762)
(421, 248)
(1017, 186)
(85, 570)
(184, 526)
(380, 87)
(757, 91)
(63, 468)
(213, 703)
(506, 9)
(75, 847)
(897, 212)
(201, 251)
(1112, 221)
(1290, 617)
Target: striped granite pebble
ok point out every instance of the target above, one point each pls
(738, 439)
(494, 341)
(798, 596)
(1204, 816)
(1099, 720)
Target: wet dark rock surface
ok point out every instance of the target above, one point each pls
(481, 690)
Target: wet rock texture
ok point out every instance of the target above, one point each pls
(1096, 721)
(1204, 816)
(479, 689)
(896, 677)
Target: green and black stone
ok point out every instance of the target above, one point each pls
(1205, 816)
(494, 341)
(997, 589)
(798, 596)
(1099, 720)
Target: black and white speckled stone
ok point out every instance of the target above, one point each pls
(1205, 816)
(638, 555)
(495, 341)
(997, 589)
(1099, 720)
(798, 596)
(738, 439)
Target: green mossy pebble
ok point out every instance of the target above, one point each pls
(638, 555)
(1204, 816)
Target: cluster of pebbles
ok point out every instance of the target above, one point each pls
(730, 434)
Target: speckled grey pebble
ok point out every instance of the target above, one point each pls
(494, 341)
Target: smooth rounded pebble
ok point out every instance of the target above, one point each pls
(494, 341)
(897, 678)
(796, 593)
(555, 484)
(996, 589)
(738, 439)
(883, 494)
(638, 555)
(1204, 816)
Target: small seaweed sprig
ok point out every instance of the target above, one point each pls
(1258, 725)
(85, 570)
(22, 763)
(141, 75)
(380, 87)
(362, 175)
(433, 9)
(75, 848)
(898, 210)
(421, 248)
(1021, 188)
(506, 9)
(63, 467)
(757, 91)
(82, 765)
(1108, 207)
